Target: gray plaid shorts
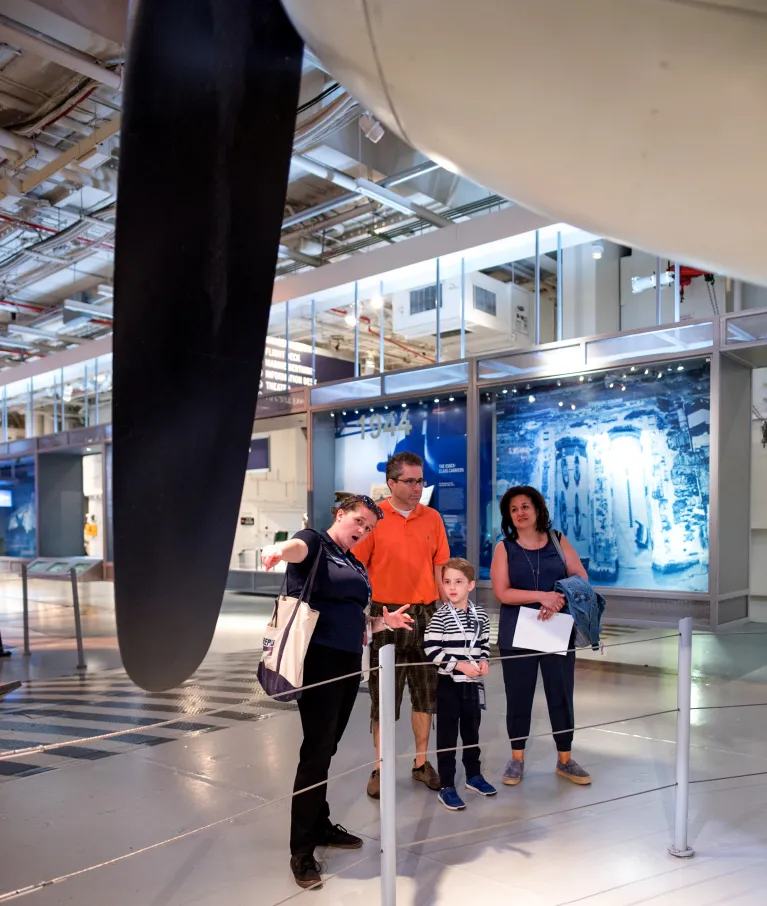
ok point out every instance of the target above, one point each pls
(421, 680)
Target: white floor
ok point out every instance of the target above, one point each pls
(198, 812)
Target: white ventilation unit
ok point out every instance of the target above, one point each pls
(488, 306)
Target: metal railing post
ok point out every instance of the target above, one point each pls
(81, 665)
(388, 778)
(25, 602)
(680, 847)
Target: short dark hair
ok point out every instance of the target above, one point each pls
(397, 462)
(463, 566)
(543, 521)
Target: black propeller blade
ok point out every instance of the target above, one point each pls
(209, 115)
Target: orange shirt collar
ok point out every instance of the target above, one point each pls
(386, 506)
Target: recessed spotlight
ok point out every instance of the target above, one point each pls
(531, 398)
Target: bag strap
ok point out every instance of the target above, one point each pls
(555, 540)
(306, 591)
(308, 584)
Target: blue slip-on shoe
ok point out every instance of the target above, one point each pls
(479, 785)
(451, 800)
(513, 772)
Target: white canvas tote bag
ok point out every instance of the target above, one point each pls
(287, 638)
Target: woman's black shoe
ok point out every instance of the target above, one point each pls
(306, 871)
(339, 837)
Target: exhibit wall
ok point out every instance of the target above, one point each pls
(622, 459)
(363, 439)
(273, 498)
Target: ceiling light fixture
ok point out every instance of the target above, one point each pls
(597, 250)
(351, 319)
(376, 303)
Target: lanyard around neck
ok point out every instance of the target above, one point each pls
(471, 609)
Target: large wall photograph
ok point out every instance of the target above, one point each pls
(622, 459)
(435, 429)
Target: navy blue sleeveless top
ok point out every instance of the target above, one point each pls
(523, 565)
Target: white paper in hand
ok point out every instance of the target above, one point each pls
(548, 636)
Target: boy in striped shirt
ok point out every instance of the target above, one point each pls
(457, 641)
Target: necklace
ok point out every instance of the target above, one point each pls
(536, 572)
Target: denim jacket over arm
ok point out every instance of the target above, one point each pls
(586, 608)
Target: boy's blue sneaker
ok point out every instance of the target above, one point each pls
(451, 800)
(481, 786)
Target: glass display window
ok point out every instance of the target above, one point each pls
(18, 509)
(622, 459)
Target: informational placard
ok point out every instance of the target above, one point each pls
(366, 438)
(281, 372)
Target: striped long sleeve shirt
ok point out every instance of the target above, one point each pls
(449, 637)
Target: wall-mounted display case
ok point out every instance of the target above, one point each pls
(622, 434)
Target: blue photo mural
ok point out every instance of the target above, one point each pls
(622, 460)
(434, 428)
(18, 511)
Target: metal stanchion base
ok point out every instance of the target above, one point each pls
(680, 853)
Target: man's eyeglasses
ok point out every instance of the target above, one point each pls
(412, 482)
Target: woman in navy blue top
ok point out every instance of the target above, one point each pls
(341, 593)
(526, 566)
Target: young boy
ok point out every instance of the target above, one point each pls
(458, 641)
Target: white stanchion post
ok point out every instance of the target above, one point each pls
(386, 687)
(680, 847)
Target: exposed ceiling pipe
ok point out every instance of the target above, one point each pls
(11, 33)
(394, 180)
(72, 154)
(67, 122)
(360, 211)
(372, 190)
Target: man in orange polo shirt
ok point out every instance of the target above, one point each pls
(404, 557)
